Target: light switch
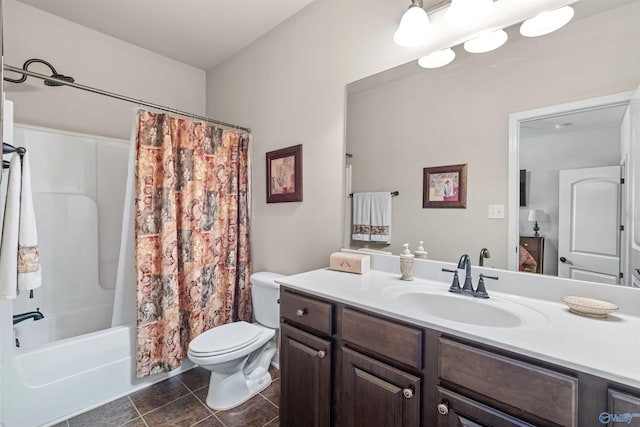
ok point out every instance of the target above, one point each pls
(496, 211)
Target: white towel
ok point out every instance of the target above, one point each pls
(29, 273)
(381, 217)
(10, 226)
(361, 217)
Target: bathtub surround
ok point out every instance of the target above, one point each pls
(191, 234)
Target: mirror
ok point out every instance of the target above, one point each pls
(406, 119)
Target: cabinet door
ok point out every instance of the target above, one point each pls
(455, 410)
(305, 379)
(375, 394)
(622, 408)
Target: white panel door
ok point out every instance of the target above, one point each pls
(589, 224)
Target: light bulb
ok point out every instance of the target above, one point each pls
(465, 12)
(414, 28)
(486, 42)
(437, 59)
(546, 22)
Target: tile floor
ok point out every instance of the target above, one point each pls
(179, 402)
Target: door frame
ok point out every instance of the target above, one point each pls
(515, 120)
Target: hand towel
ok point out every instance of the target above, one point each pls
(361, 217)
(10, 226)
(381, 217)
(29, 273)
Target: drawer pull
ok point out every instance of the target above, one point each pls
(321, 354)
(408, 393)
(301, 312)
(443, 408)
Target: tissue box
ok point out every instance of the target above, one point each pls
(350, 263)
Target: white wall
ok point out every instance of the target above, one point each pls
(543, 157)
(93, 59)
(290, 88)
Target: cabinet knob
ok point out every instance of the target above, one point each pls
(300, 312)
(443, 408)
(321, 354)
(407, 393)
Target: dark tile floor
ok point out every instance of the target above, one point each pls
(180, 402)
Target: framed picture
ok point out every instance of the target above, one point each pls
(284, 175)
(445, 187)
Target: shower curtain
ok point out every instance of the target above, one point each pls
(191, 235)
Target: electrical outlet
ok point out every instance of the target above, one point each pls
(496, 211)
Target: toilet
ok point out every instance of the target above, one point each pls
(239, 354)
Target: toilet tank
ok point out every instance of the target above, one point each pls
(265, 293)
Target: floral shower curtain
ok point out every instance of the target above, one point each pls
(191, 235)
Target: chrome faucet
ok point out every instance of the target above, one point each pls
(35, 315)
(484, 253)
(465, 262)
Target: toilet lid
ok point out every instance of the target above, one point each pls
(225, 338)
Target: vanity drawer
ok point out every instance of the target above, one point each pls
(305, 311)
(370, 334)
(538, 391)
(622, 403)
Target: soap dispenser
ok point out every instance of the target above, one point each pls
(420, 252)
(406, 263)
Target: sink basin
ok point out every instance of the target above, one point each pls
(491, 312)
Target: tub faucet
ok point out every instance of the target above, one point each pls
(35, 315)
(484, 253)
(465, 262)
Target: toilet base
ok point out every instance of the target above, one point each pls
(228, 391)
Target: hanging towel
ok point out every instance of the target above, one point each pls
(361, 217)
(10, 226)
(381, 217)
(29, 273)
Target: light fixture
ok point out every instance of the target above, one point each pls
(546, 22)
(437, 59)
(486, 42)
(465, 12)
(536, 215)
(414, 26)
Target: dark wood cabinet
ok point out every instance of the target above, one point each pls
(305, 379)
(547, 396)
(455, 410)
(345, 366)
(375, 394)
(535, 247)
(622, 408)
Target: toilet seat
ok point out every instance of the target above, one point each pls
(224, 339)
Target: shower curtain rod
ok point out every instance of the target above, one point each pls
(121, 97)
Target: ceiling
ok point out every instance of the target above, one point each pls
(201, 33)
(596, 118)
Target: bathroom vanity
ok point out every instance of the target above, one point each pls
(373, 350)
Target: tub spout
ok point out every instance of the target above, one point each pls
(35, 315)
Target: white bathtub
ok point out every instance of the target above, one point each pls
(61, 325)
(57, 380)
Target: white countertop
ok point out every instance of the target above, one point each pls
(608, 348)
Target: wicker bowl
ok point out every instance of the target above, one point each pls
(588, 306)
